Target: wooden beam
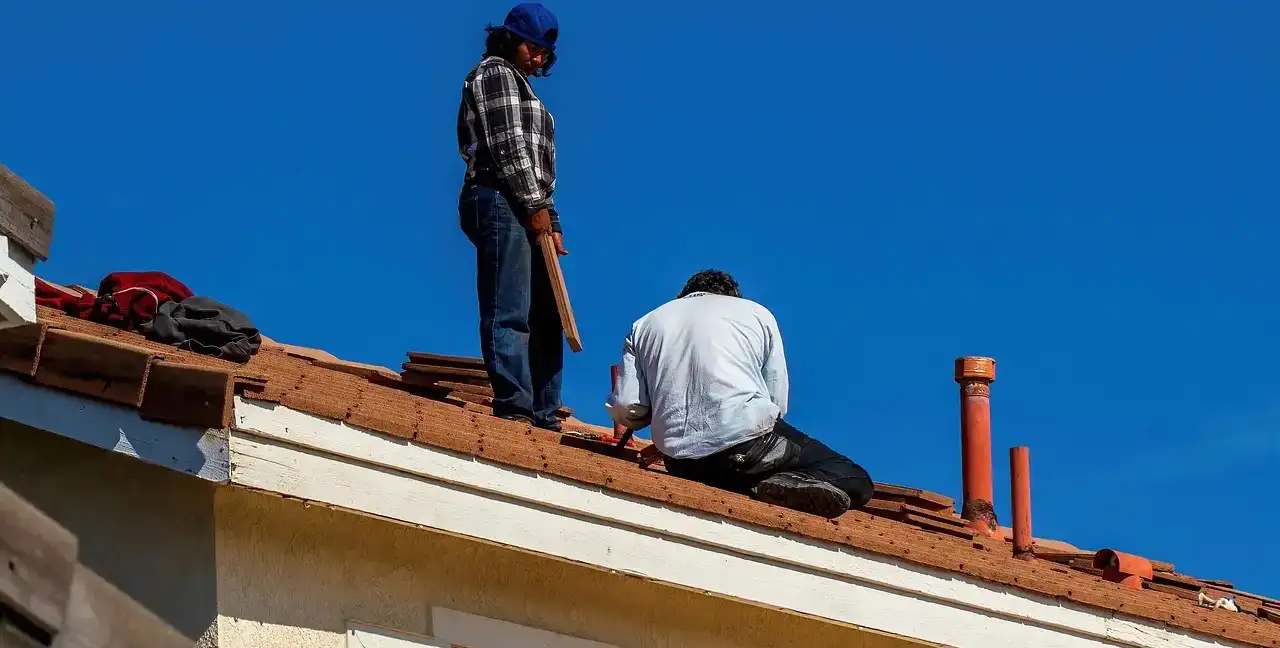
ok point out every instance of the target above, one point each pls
(47, 595)
(26, 216)
(441, 360)
(561, 292)
(101, 616)
(37, 563)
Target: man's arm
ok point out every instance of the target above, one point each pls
(628, 404)
(775, 366)
(497, 93)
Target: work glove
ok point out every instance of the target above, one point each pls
(540, 222)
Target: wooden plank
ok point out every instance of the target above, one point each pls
(1217, 583)
(899, 510)
(1053, 555)
(48, 598)
(441, 360)
(941, 527)
(11, 636)
(1180, 592)
(355, 368)
(1176, 580)
(37, 563)
(919, 497)
(487, 401)
(481, 390)
(422, 374)
(561, 292)
(1270, 613)
(885, 508)
(1085, 565)
(26, 216)
(101, 616)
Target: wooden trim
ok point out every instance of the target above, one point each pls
(57, 599)
(26, 215)
(37, 563)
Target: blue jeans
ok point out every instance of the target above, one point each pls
(520, 332)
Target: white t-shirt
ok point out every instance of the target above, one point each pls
(707, 371)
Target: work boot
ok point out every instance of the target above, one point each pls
(802, 493)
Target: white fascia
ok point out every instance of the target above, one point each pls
(17, 284)
(195, 451)
(280, 450)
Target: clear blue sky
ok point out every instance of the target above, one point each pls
(1085, 191)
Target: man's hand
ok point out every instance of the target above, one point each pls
(540, 223)
(558, 239)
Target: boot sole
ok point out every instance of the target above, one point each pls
(819, 499)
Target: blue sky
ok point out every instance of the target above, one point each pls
(1085, 191)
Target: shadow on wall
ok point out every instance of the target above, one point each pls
(147, 530)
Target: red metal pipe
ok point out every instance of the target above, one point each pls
(1020, 494)
(618, 430)
(975, 375)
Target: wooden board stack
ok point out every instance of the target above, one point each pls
(457, 378)
(922, 508)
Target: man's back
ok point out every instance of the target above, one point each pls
(709, 369)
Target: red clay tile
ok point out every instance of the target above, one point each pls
(93, 366)
(20, 348)
(188, 395)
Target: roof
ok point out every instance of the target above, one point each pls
(185, 388)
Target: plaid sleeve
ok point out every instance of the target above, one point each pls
(497, 94)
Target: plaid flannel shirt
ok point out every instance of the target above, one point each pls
(505, 131)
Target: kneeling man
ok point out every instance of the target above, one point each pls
(707, 371)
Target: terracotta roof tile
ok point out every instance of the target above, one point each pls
(917, 526)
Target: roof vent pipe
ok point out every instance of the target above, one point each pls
(1020, 495)
(975, 375)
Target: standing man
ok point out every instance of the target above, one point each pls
(708, 372)
(507, 138)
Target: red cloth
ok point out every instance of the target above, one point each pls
(125, 299)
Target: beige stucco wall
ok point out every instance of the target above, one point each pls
(291, 575)
(147, 530)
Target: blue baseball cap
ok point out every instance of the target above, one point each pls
(534, 23)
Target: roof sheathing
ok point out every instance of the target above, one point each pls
(123, 367)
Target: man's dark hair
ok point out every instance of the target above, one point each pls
(502, 43)
(716, 282)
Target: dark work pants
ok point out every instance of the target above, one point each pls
(520, 332)
(746, 464)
